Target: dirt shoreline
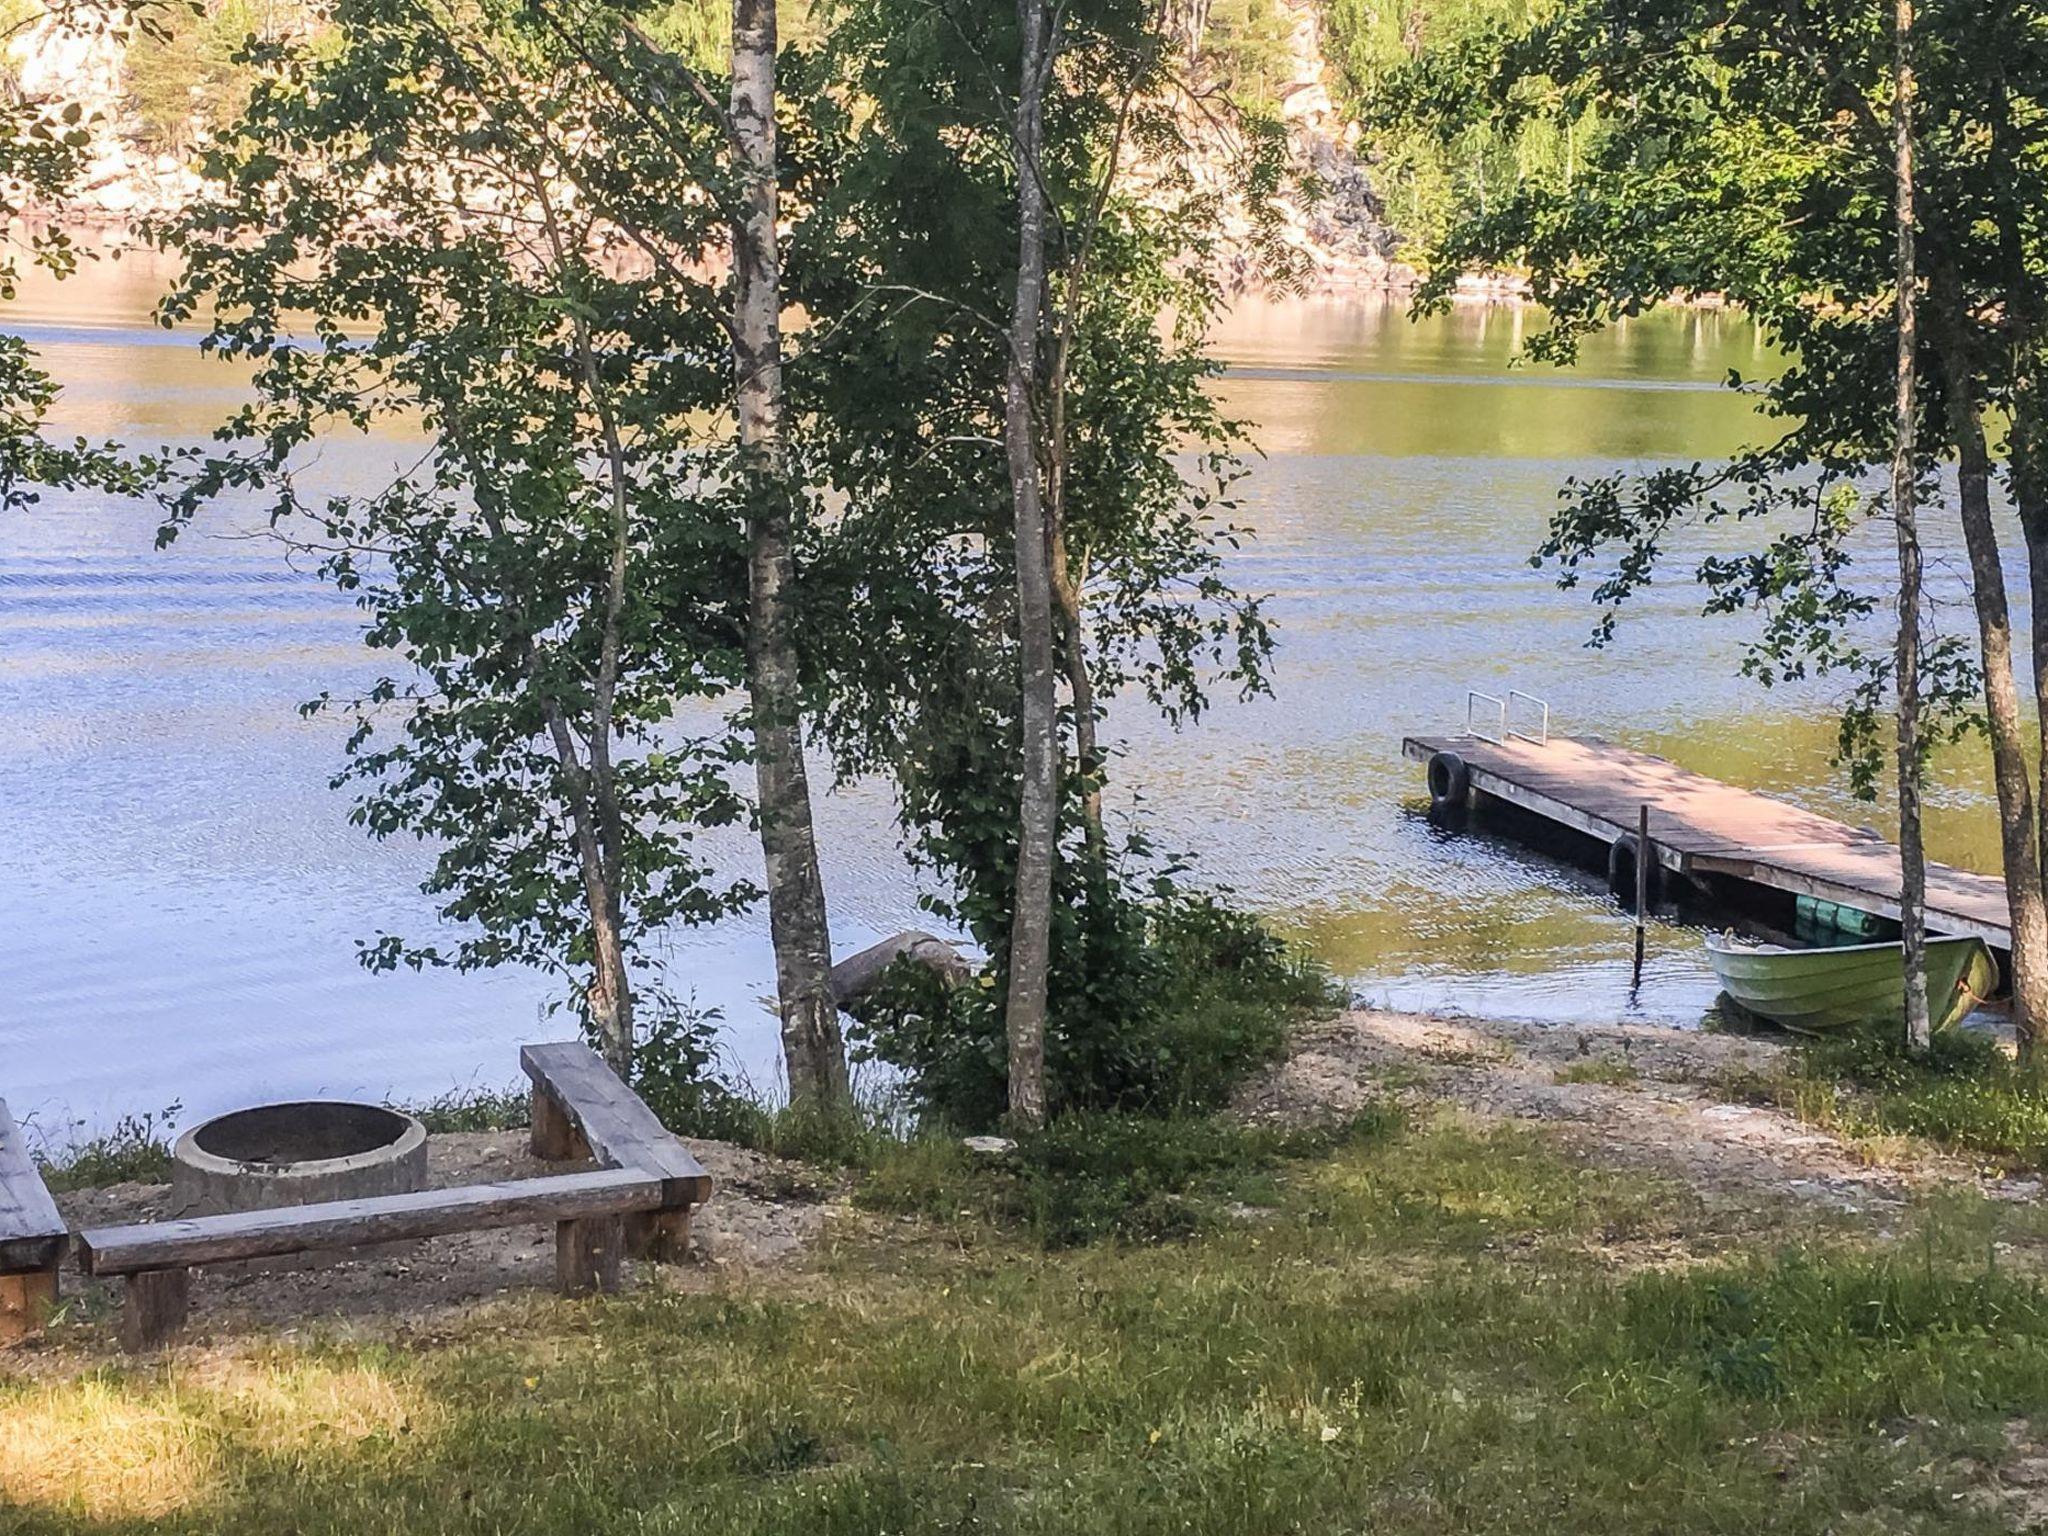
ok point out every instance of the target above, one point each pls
(1665, 1111)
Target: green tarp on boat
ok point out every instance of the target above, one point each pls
(1823, 989)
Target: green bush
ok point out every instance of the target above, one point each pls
(474, 1109)
(675, 1054)
(1160, 1006)
(136, 1150)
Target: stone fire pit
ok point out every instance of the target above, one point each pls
(295, 1154)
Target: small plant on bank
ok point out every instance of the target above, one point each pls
(677, 1073)
(1966, 1094)
(1605, 1071)
(474, 1109)
(137, 1150)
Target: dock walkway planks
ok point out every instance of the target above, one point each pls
(1703, 827)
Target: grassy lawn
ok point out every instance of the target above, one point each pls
(1414, 1329)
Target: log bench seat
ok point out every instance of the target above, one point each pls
(32, 1237)
(638, 1201)
(158, 1256)
(581, 1108)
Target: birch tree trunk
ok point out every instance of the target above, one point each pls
(2018, 825)
(812, 1049)
(1066, 591)
(1912, 852)
(1038, 799)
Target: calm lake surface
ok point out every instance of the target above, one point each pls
(181, 894)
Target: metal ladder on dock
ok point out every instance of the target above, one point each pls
(1502, 709)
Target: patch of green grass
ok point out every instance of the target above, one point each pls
(1088, 1177)
(856, 1135)
(1607, 1071)
(136, 1150)
(474, 1109)
(1966, 1094)
(1421, 1338)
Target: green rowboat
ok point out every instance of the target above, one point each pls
(1812, 990)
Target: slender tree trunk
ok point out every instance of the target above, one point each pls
(610, 997)
(2019, 831)
(1067, 583)
(1912, 852)
(2032, 503)
(593, 807)
(1066, 591)
(813, 1052)
(1038, 799)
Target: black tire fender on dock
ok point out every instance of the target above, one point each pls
(1621, 872)
(1450, 783)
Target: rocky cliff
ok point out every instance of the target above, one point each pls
(1340, 236)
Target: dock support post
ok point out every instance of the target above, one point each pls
(1642, 887)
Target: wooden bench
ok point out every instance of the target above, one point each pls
(581, 1108)
(32, 1238)
(158, 1256)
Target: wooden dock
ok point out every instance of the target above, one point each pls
(1702, 827)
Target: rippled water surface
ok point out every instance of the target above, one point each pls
(180, 893)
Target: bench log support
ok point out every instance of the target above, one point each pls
(27, 1298)
(660, 1237)
(32, 1239)
(555, 1137)
(154, 1309)
(587, 1255)
(581, 1108)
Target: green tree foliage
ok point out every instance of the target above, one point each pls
(190, 74)
(404, 231)
(43, 146)
(506, 228)
(1186, 997)
(1427, 179)
(1246, 52)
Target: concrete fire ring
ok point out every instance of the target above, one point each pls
(276, 1155)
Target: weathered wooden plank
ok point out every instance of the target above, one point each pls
(857, 975)
(351, 1223)
(32, 1234)
(1702, 826)
(615, 1125)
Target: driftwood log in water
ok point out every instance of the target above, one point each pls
(857, 975)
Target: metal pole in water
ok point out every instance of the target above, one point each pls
(1642, 887)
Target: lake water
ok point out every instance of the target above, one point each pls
(180, 893)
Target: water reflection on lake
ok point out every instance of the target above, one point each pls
(182, 893)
